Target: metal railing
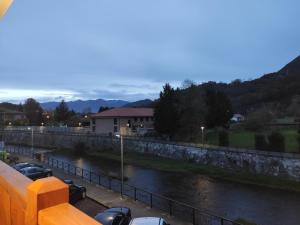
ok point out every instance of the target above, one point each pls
(175, 208)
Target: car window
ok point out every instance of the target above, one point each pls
(39, 169)
(31, 170)
(117, 220)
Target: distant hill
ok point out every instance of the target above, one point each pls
(88, 105)
(142, 103)
(276, 88)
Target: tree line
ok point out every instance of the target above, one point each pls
(36, 116)
(180, 113)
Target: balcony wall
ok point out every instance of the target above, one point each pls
(42, 202)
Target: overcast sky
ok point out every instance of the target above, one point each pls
(88, 49)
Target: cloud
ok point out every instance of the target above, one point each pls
(129, 49)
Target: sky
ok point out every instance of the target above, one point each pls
(113, 49)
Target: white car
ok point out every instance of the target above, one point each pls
(148, 221)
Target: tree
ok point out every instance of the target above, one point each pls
(62, 113)
(258, 119)
(33, 112)
(166, 113)
(191, 110)
(103, 108)
(219, 108)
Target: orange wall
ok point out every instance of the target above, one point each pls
(43, 202)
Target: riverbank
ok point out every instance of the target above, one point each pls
(171, 165)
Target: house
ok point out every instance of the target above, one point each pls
(237, 118)
(131, 121)
(8, 116)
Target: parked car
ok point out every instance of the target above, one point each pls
(148, 221)
(76, 192)
(35, 172)
(114, 216)
(23, 165)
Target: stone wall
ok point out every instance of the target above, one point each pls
(284, 165)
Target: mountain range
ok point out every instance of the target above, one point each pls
(276, 89)
(94, 105)
(86, 106)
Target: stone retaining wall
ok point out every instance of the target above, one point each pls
(284, 165)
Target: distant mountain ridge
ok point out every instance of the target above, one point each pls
(147, 103)
(94, 105)
(277, 89)
(85, 106)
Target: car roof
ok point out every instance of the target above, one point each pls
(146, 221)
(107, 217)
(68, 181)
(22, 163)
(31, 167)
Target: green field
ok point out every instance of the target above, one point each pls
(245, 139)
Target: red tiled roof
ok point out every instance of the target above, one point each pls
(126, 112)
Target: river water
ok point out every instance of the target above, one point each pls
(264, 206)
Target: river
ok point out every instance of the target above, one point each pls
(264, 206)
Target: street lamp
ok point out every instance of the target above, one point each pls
(202, 132)
(122, 161)
(30, 128)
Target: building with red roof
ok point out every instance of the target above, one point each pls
(128, 121)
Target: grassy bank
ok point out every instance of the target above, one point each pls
(245, 139)
(170, 165)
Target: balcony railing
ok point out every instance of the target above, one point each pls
(42, 202)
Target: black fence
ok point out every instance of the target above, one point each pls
(174, 208)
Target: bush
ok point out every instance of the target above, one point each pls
(223, 138)
(298, 140)
(80, 148)
(261, 142)
(244, 222)
(276, 142)
(258, 119)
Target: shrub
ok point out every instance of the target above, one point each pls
(276, 142)
(80, 148)
(261, 142)
(244, 222)
(258, 119)
(298, 140)
(223, 138)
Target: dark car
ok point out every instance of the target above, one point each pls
(23, 165)
(76, 192)
(114, 216)
(35, 172)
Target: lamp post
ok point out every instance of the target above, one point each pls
(202, 133)
(31, 128)
(122, 165)
(122, 161)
